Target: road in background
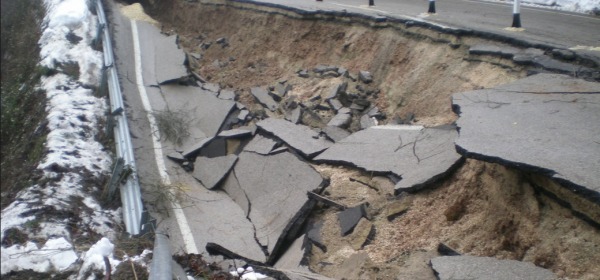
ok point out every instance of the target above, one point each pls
(541, 26)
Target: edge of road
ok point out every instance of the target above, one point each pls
(588, 58)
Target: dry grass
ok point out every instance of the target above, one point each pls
(173, 126)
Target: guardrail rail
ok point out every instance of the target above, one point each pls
(130, 189)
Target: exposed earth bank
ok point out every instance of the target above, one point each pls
(482, 209)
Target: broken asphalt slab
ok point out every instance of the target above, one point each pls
(469, 267)
(335, 133)
(350, 217)
(295, 256)
(272, 191)
(293, 264)
(211, 171)
(531, 56)
(263, 97)
(163, 60)
(203, 113)
(261, 145)
(301, 138)
(545, 123)
(235, 133)
(215, 217)
(418, 155)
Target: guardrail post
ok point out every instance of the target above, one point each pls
(97, 42)
(114, 179)
(431, 7)
(516, 14)
(110, 125)
(160, 269)
(103, 88)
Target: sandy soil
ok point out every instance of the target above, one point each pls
(483, 209)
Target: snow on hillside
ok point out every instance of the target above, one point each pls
(60, 209)
(578, 6)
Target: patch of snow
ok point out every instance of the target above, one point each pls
(140, 259)
(75, 159)
(57, 254)
(64, 17)
(577, 6)
(93, 259)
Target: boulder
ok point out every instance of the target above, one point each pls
(365, 77)
(342, 119)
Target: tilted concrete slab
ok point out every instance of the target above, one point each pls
(203, 112)
(293, 264)
(215, 217)
(419, 155)
(350, 217)
(530, 56)
(163, 60)
(261, 145)
(301, 138)
(335, 133)
(194, 149)
(295, 256)
(210, 171)
(263, 97)
(276, 187)
(341, 119)
(235, 133)
(232, 187)
(469, 267)
(550, 83)
(557, 134)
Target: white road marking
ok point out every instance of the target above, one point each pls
(184, 227)
(362, 7)
(388, 13)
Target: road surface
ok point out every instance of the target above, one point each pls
(549, 27)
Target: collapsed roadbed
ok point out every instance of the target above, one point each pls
(341, 135)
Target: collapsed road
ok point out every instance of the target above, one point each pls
(254, 173)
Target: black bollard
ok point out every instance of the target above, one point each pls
(371, 3)
(431, 7)
(517, 14)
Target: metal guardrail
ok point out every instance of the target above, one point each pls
(130, 190)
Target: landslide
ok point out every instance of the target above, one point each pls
(415, 74)
(482, 209)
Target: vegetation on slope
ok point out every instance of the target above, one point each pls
(22, 104)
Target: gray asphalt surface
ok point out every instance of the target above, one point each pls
(542, 26)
